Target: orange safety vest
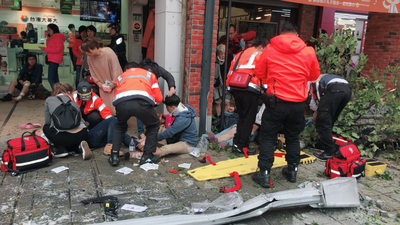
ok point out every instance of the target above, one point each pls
(246, 64)
(137, 83)
(95, 103)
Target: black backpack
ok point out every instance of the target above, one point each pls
(66, 116)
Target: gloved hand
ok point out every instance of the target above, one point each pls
(310, 122)
(242, 45)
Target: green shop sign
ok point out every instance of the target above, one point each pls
(8, 30)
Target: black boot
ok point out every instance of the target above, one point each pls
(114, 160)
(6, 98)
(290, 172)
(262, 177)
(238, 151)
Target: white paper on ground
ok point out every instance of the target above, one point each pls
(149, 166)
(185, 165)
(125, 170)
(195, 153)
(59, 169)
(134, 208)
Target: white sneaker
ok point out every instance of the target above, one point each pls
(86, 153)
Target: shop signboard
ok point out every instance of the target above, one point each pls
(66, 6)
(383, 6)
(8, 30)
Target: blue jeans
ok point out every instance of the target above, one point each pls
(102, 134)
(52, 74)
(78, 75)
(230, 141)
(140, 126)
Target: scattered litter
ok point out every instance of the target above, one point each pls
(173, 171)
(159, 199)
(202, 145)
(166, 160)
(194, 151)
(305, 184)
(125, 170)
(136, 164)
(199, 207)
(227, 202)
(182, 175)
(149, 166)
(185, 165)
(59, 169)
(134, 208)
(155, 175)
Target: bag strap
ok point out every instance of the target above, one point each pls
(237, 61)
(23, 142)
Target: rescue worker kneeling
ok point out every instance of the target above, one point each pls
(332, 92)
(100, 121)
(137, 94)
(246, 99)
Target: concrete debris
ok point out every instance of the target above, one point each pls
(381, 204)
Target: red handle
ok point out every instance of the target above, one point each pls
(245, 152)
(207, 158)
(237, 182)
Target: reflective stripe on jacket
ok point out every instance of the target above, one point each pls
(95, 103)
(246, 64)
(137, 83)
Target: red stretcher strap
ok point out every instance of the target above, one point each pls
(207, 158)
(245, 152)
(279, 154)
(237, 181)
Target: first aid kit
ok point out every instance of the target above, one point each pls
(24, 154)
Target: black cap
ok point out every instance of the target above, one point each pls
(84, 90)
(115, 26)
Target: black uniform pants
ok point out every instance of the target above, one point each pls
(246, 105)
(144, 111)
(335, 98)
(291, 116)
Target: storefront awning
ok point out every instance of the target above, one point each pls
(383, 6)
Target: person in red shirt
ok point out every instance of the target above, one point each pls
(76, 49)
(234, 40)
(285, 66)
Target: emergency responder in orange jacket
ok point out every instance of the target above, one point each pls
(93, 105)
(136, 95)
(101, 121)
(246, 100)
(286, 66)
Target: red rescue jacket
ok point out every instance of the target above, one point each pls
(95, 103)
(286, 65)
(247, 64)
(137, 83)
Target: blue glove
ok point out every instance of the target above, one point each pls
(242, 45)
(310, 122)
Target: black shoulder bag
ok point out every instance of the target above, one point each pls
(176, 136)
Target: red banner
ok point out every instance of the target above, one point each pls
(383, 6)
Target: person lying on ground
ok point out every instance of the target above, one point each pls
(67, 135)
(225, 137)
(100, 119)
(30, 76)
